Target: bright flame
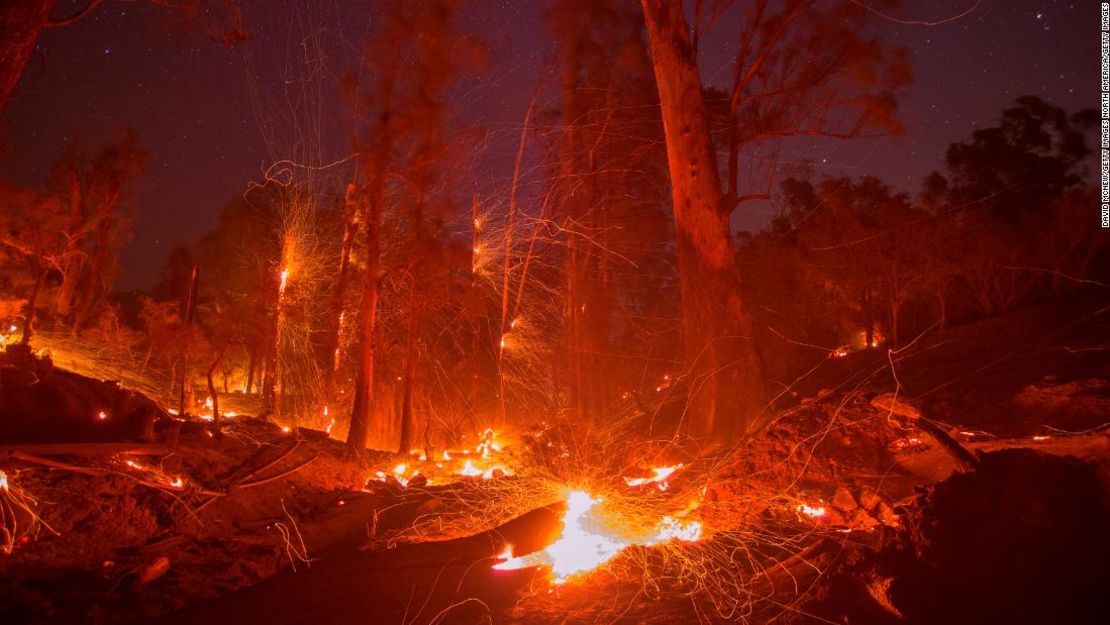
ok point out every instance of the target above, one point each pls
(661, 474)
(102, 415)
(487, 445)
(671, 528)
(580, 549)
(469, 469)
(284, 280)
(813, 512)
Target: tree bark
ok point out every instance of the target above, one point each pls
(339, 296)
(726, 390)
(186, 327)
(408, 419)
(368, 315)
(216, 424)
(29, 314)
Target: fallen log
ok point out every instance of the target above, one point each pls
(358, 587)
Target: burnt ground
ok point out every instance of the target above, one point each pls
(269, 526)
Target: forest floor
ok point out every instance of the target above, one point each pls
(841, 510)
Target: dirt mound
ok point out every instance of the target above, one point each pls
(1020, 540)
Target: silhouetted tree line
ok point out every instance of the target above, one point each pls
(849, 262)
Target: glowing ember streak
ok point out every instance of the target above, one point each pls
(286, 429)
(3, 481)
(580, 549)
(177, 482)
(661, 474)
(813, 512)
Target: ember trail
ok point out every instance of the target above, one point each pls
(564, 311)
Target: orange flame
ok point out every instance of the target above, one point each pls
(660, 477)
(580, 549)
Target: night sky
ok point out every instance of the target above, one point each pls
(213, 117)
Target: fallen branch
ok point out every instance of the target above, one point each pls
(278, 476)
(214, 496)
(243, 472)
(269, 464)
(890, 403)
(96, 471)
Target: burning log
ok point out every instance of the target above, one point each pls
(355, 586)
(890, 403)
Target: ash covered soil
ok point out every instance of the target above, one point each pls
(842, 509)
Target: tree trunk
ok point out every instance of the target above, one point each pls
(408, 419)
(273, 349)
(252, 361)
(216, 425)
(350, 230)
(29, 314)
(364, 381)
(368, 314)
(94, 277)
(726, 391)
(73, 258)
(186, 328)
